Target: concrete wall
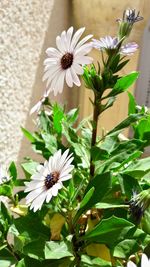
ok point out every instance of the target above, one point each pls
(28, 27)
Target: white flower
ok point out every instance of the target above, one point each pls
(48, 179)
(4, 176)
(145, 262)
(65, 63)
(111, 43)
(38, 105)
(105, 43)
(129, 48)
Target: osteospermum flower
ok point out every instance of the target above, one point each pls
(4, 175)
(130, 16)
(145, 262)
(65, 63)
(48, 179)
(109, 43)
(139, 203)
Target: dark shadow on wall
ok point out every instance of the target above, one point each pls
(60, 19)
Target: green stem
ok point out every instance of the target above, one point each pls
(14, 254)
(96, 114)
(74, 239)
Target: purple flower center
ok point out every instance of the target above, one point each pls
(51, 179)
(66, 61)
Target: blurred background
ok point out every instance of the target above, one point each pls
(28, 28)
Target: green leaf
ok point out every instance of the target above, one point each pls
(13, 171)
(30, 167)
(132, 104)
(84, 204)
(115, 227)
(57, 250)
(87, 261)
(128, 184)
(28, 135)
(50, 142)
(72, 115)
(107, 205)
(6, 258)
(121, 65)
(145, 221)
(139, 168)
(5, 190)
(58, 115)
(127, 122)
(125, 248)
(28, 229)
(35, 249)
(102, 184)
(5, 213)
(123, 83)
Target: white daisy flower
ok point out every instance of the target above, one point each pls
(107, 42)
(145, 262)
(4, 175)
(129, 49)
(48, 179)
(65, 63)
(111, 43)
(38, 105)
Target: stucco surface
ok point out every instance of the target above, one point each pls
(27, 28)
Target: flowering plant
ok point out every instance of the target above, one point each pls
(87, 203)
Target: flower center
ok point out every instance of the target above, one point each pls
(51, 179)
(66, 61)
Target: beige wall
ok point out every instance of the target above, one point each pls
(99, 18)
(28, 27)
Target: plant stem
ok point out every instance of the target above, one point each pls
(14, 254)
(74, 239)
(96, 114)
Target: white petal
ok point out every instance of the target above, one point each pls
(33, 185)
(78, 69)
(84, 40)
(49, 196)
(66, 177)
(131, 264)
(38, 202)
(53, 84)
(62, 160)
(36, 107)
(83, 50)
(54, 190)
(84, 60)
(75, 77)
(34, 194)
(67, 168)
(144, 261)
(60, 82)
(69, 36)
(69, 78)
(53, 52)
(51, 61)
(75, 38)
(60, 44)
(64, 41)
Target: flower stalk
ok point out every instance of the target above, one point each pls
(96, 113)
